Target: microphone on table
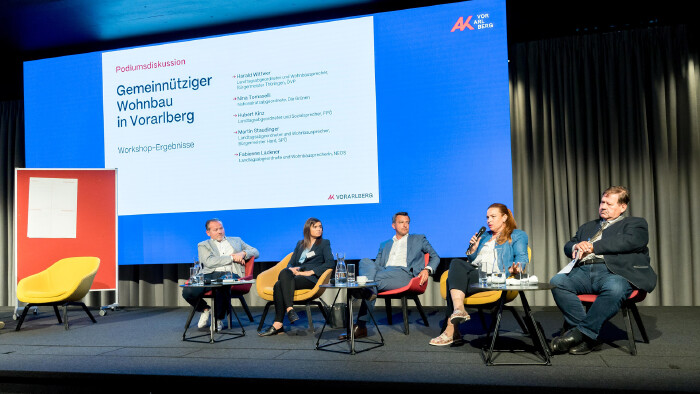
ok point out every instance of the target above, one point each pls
(478, 234)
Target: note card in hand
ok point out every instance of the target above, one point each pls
(568, 267)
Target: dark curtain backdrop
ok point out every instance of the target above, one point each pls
(587, 112)
(11, 156)
(618, 108)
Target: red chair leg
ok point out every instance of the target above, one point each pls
(420, 310)
(404, 311)
(387, 306)
(638, 320)
(244, 304)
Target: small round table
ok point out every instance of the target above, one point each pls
(534, 328)
(350, 337)
(215, 287)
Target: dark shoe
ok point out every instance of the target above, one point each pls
(271, 331)
(588, 345)
(369, 293)
(366, 293)
(568, 340)
(292, 316)
(359, 332)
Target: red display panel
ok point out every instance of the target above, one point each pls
(96, 225)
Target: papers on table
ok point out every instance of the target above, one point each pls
(236, 281)
(531, 281)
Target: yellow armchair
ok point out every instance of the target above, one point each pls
(265, 283)
(484, 299)
(64, 283)
(267, 279)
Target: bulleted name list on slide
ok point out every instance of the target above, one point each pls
(276, 118)
(252, 119)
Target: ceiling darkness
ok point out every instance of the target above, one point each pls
(31, 29)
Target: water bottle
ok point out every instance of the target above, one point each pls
(341, 272)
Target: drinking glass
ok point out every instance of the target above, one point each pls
(523, 275)
(193, 275)
(498, 273)
(499, 260)
(351, 274)
(482, 274)
(501, 278)
(197, 277)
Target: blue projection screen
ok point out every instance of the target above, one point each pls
(347, 120)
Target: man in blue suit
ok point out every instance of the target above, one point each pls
(399, 260)
(218, 255)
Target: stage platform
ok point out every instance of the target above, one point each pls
(141, 350)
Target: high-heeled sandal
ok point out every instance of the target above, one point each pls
(458, 317)
(444, 340)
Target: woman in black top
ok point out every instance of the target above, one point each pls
(311, 258)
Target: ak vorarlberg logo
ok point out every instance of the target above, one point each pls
(351, 196)
(481, 22)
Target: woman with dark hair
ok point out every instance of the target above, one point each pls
(311, 258)
(502, 239)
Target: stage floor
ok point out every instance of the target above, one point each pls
(141, 350)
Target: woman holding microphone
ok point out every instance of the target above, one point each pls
(502, 239)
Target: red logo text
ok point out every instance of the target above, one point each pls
(461, 24)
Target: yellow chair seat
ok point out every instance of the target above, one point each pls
(35, 296)
(266, 280)
(482, 297)
(477, 299)
(268, 290)
(64, 282)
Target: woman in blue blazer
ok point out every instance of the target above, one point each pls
(503, 240)
(311, 258)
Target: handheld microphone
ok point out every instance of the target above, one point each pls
(478, 234)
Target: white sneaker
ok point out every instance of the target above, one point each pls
(219, 325)
(204, 318)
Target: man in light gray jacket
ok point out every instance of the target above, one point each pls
(218, 255)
